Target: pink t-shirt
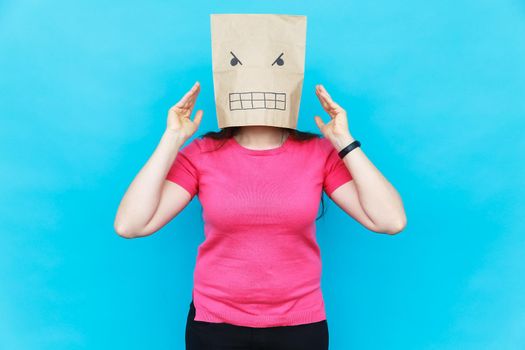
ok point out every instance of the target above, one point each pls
(260, 264)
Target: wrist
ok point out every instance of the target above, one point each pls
(343, 141)
(174, 137)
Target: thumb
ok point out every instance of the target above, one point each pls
(319, 122)
(198, 117)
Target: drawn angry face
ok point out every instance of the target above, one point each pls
(258, 68)
(257, 99)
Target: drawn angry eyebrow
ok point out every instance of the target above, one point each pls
(235, 59)
(278, 60)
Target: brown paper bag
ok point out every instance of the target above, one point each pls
(258, 68)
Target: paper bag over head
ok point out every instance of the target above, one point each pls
(258, 68)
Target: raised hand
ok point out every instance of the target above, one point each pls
(179, 114)
(336, 130)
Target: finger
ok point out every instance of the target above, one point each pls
(193, 97)
(195, 87)
(329, 106)
(198, 117)
(332, 105)
(321, 97)
(319, 122)
(323, 90)
(319, 90)
(329, 99)
(184, 101)
(325, 96)
(324, 103)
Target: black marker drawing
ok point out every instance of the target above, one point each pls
(279, 60)
(257, 100)
(235, 60)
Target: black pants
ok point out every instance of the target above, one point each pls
(202, 335)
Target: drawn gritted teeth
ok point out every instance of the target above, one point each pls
(257, 100)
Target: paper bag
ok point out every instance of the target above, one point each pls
(258, 68)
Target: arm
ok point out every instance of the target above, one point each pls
(369, 198)
(146, 192)
(150, 201)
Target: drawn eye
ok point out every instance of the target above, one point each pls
(279, 60)
(235, 60)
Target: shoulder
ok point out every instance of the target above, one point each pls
(318, 148)
(327, 146)
(324, 143)
(327, 151)
(321, 144)
(202, 146)
(317, 144)
(192, 146)
(191, 150)
(207, 144)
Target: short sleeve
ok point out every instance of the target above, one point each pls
(335, 171)
(184, 171)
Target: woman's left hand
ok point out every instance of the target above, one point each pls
(336, 130)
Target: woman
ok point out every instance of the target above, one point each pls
(257, 277)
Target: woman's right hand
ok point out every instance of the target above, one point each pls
(179, 114)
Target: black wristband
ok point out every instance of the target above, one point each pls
(349, 148)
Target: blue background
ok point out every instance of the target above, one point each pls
(434, 91)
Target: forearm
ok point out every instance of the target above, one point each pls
(143, 195)
(379, 199)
